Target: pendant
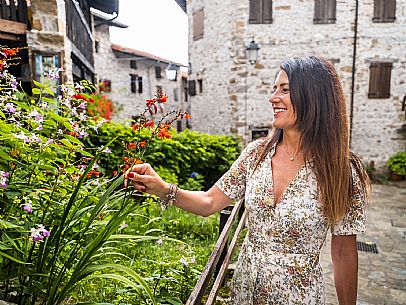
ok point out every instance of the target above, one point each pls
(291, 158)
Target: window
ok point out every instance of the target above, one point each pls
(198, 22)
(45, 63)
(257, 133)
(384, 11)
(96, 46)
(192, 87)
(158, 71)
(133, 64)
(179, 126)
(176, 94)
(260, 11)
(200, 83)
(379, 80)
(134, 79)
(185, 88)
(324, 11)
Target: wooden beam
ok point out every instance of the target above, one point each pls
(12, 27)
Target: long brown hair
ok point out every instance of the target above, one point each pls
(318, 100)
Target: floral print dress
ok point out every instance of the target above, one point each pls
(279, 259)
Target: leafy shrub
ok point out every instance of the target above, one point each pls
(397, 163)
(189, 155)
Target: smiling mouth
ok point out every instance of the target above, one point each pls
(279, 110)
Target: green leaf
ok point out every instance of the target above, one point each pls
(5, 156)
(36, 91)
(37, 83)
(13, 258)
(8, 225)
(49, 91)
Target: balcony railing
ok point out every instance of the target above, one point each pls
(220, 257)
(14, 10)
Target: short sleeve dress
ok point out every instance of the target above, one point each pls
(279, 259)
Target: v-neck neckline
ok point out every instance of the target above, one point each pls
(277, 201)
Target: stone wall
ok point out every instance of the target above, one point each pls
(236, 93)
(118, 71)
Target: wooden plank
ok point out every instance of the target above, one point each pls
(4, 10)
(13, 10)
(220, 277)
(13, 27)
(200, 288)
(22, 11)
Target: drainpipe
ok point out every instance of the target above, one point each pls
(354, 55)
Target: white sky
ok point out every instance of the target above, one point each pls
(159, 27)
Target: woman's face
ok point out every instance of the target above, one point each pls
(284, 114)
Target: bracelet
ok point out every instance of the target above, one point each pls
(170, 198)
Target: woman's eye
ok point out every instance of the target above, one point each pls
(285, 90)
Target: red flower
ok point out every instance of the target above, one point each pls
(162, 99)
(135, 127)
(164, 132)
(1, 65)
(143, 143)
(149, 124)
(114, 173)
(78, 96)
(10, 52)
(150, 102)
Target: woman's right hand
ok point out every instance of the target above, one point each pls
(145, 179)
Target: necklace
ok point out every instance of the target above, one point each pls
(291, 157)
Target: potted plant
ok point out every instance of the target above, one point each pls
(397, 166)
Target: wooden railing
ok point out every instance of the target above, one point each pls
(14, 10)
(220, 257)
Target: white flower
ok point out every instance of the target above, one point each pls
(159, 242)
(183, 261)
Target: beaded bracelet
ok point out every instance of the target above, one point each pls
(170, 198)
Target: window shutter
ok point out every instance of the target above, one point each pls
(390, 10)
(267, 11)
(139, 84)
(379, 7)
(158, 71)
(133, 83)
(373, 80)
(386, 69)
(198, 21)
(133, 64)
(192, 87)
(331, 11)
(255, 11)
(317, 12)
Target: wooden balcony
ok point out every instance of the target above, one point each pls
(13, 19)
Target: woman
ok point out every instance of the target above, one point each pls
(298, 183)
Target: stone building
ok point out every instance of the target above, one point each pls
(132, 76)
(58, 33)
(364, 39)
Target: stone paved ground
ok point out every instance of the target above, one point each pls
(382, 276)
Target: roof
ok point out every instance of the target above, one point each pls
(106, 6)
(101, 19)
(136, 54)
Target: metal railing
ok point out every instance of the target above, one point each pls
(220, 257)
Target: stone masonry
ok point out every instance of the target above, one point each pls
(118, 70)
(236, 93)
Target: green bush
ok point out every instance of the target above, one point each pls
(185, 158)
(397, 163)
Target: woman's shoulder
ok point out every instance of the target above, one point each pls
(255, 147)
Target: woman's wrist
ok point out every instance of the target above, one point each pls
(169, 195)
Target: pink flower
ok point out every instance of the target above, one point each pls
(27, 207)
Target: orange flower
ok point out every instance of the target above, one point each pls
(1, 65)
(114, 173)
(163, 99)
(164, 132)
(10, 52)
(73, 134)
(143, 143)
(149, 124)
(135, 127)
(187, 116)
(132, 145)
(139, 161)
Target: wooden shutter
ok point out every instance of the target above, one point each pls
(379, 80)
(198, 22)
(133, 64)
(158, 71)
(317, 11)
(385, 78)
(266, 11)
(255, 11)
(133, 83)
(139, 84)
(192, 87)
(390, 10)
(379, 8)
(331, 11)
